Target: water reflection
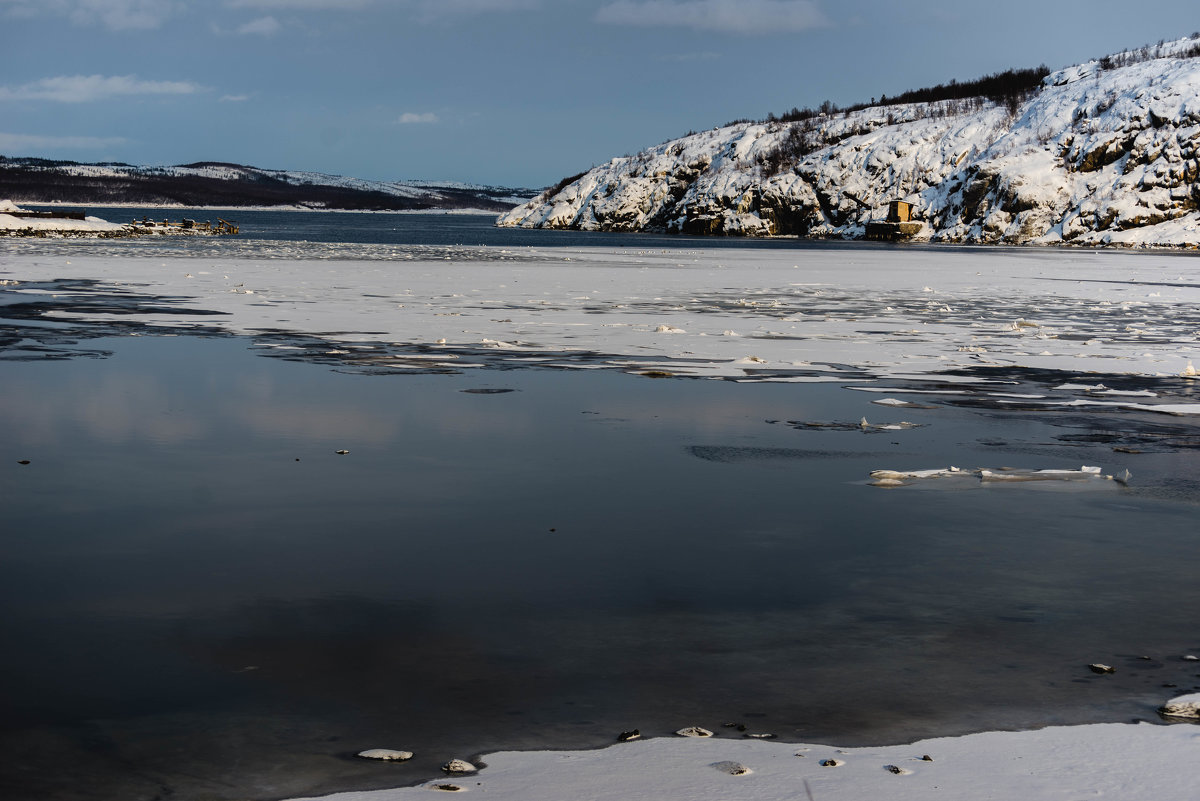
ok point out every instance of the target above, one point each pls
(190, 568)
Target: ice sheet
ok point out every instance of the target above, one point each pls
(804, 313)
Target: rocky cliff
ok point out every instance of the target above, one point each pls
(1106, 152)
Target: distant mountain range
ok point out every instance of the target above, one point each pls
(210, 183)
(1106, 152)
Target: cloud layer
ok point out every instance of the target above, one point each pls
(117, 15)
(729, 16)
(89, 88)
(413, 118)
(17, 143)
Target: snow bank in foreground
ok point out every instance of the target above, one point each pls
(1130, 762)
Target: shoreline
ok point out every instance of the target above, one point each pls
(1099, 247)
(177, 206)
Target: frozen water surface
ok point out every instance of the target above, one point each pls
(204, 598)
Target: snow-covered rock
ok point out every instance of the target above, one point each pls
(1185, 706)
(1101, 154)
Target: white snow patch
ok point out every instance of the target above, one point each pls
(1133, 762)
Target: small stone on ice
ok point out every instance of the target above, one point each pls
(386, 754)
(832, 763)
(732, 768)
(459, 766)
(899, 771)
(694, 731)
(626, 736)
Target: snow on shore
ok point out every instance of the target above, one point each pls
(1130, 762)
(11, 223)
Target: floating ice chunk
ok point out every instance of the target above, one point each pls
(459, 766)
(1189, 371)
(1039, 475)
(669, 329)
(888, 482)
(902, 474)
(386, 754)
(694, 731)
(1131, 393)
(892, 478)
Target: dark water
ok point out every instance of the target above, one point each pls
(416, 229)
(203, 600)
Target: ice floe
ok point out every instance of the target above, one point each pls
(386, 754)
(871, 322)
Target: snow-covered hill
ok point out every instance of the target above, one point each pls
(221, 184)
(1106, 152)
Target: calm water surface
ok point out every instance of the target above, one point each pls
(202, 599)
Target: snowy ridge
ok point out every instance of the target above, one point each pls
(1107, 152)
(216, 183)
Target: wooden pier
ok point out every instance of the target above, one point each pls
(221, 227)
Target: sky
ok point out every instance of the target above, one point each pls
(502, 92)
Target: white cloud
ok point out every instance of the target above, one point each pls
(117, 15)
(411, 118)
(300, 5)
(14, 143)
(432, 9)
(234, 98)
(732, 16)
(88, 88)
(264, 26)
(424, 10)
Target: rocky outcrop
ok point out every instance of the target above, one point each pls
(1097, 156)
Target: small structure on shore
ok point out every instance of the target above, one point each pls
(899, 223)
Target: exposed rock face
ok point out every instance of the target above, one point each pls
(1098, 156)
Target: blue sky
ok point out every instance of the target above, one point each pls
(510, 92)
